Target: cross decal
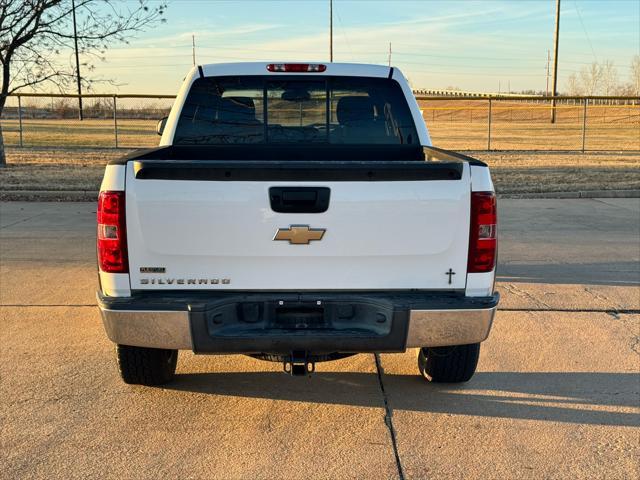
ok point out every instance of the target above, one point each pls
(450, 273)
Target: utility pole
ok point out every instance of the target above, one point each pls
(193, 49)
(548, 63)
(556, 40)
(75, 39)
(331, 30)
(389, 53)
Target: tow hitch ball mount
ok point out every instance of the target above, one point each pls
(297, 364)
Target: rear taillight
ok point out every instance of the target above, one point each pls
(296, 67)
(112, 235)
(483, 240)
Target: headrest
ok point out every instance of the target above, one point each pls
(237, 109)
(354, 108)
(200, 106)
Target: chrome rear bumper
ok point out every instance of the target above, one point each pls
(172, 329)
(439, 328)
(142, 328)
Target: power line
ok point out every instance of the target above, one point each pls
(344, 34)
(585, 30)
(514, 51)
(482, 67)
(365, 52)
(478, 57)
(410, 69)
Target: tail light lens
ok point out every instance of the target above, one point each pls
(483, 241)
(112, 235)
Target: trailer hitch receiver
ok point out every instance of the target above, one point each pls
(298, 364)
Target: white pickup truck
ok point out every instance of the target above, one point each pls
(296, 213)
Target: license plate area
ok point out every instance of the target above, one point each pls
(299, 317)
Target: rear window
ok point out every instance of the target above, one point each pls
(290, 110)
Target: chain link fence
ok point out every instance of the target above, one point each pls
(525, 123)
(116, 121)
(456, 123)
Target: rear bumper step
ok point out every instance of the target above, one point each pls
(279, 322)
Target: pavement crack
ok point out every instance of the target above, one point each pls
(511, 288)
(21, 221)
(602, 297)
(612, 205)
(388, 415)
(611, 311)
(635, 335)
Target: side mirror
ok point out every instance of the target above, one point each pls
(161, 124)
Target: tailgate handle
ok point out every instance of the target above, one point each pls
(299, 199)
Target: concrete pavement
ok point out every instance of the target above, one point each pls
(557, 393)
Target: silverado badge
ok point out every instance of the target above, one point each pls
(299, 234)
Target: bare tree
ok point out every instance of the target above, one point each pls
(591, 78)
(602, 79)
(574, 86)
(609, 77)
(36, 34)
(635, 75)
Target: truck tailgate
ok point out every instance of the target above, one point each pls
(203, 230)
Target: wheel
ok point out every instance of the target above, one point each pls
(449, 364)
(146, 366)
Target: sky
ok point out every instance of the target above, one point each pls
(474, 45)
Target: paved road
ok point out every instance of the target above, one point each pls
(557, 393)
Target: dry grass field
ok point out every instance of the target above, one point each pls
(453, 124)
(526, 172)
(514, 172)
(464, 125)
(454, 135)
(528, 153)
(74, 133)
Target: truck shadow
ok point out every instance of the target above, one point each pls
(570, 397)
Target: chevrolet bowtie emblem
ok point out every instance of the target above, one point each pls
(299, 234)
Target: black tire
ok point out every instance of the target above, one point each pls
(146, 366)
(453, 364)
